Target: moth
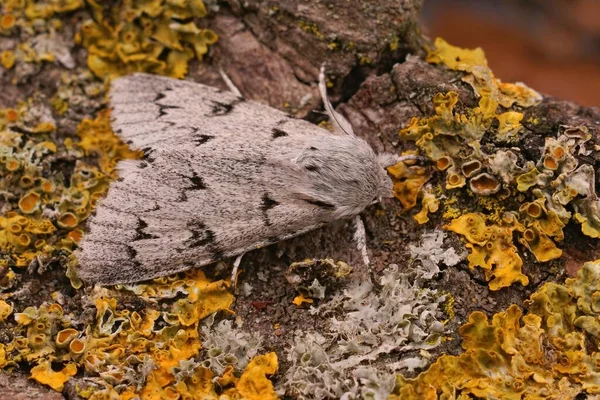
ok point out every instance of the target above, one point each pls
(221, 176)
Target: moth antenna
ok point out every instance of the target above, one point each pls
(229, 83)
(338, 119)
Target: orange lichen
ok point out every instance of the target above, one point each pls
(254, 384)
(454, 180)
(67, 220)
(492, 250)
(7, 59)
(443, 163)
(484, 184)
(430, 204)
(470, 168)
(64, 337)
(7, 21)
(453, 139)
(120, 338)
(300, 300)
(44, 374)
(29, 203)
(550, 162)
(5, 310)
(551, 352)
(150, 39)
(408, 180)
(38, 192)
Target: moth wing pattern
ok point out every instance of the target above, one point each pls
(220, 176)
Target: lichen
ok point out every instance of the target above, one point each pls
(150, 350)
(548, 352)
(141, 36)
(38, 28)
(469, 148)
(361, 326)
(491, 248)
(311, 278)
(408, 180)
(44, 213)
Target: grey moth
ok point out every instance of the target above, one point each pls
(220, 176)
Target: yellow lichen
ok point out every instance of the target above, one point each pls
(47, 206)
(550, 352)
(491, 249)
(509, 125)
(484, 184)
(5, 310)
(430, 204)
(7, 59)
(119, 336)
(254, 384)
(455, 57)
(44, 374)
(29, 203)
(24, 232)
(150, 38)
(301, 299)
(408, 180)
(469, 147)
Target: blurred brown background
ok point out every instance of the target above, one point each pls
(551, 45)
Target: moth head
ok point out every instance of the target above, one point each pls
(345, 175)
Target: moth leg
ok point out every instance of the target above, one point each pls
(230, 84)
(338, 120)
(360, 237)
(236, 266)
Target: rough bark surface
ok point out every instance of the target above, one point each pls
(273, 54)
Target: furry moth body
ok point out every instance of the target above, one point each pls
(220, 176)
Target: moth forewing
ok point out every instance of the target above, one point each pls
(220, 176)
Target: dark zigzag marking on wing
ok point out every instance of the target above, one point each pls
(139, 231)
(220, 108)
(267, 204)
(201, 139)
(321, 204)
(277, 133)
(163, 107)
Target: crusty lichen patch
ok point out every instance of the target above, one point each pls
(480, 153)
(363, 325)
(151, 351)
(550, 351)
(167, 338)
(43, 214)
(145, 36)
